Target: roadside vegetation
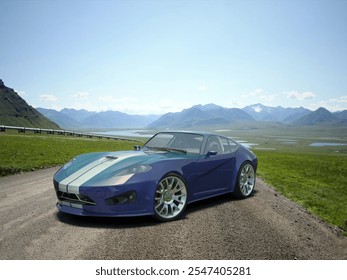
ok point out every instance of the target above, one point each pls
(315, 181)
(313, 177)
(28, 152)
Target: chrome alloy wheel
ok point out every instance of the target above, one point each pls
(170, 198)
(246, 179)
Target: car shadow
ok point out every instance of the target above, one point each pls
(212, 202)
(106, 222)
(141, 221)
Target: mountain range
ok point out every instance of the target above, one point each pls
(211, 114)
(276, 114)
(198, 115)
(86, 120)
(194, 117)
(15, 111)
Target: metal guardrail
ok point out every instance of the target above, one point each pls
(3, 128)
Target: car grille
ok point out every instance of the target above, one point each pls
(74, 198)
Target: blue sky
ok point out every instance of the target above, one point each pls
(152, 57)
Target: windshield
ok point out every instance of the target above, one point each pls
(176, 142)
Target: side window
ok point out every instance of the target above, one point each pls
(214, 144)
(232, 146)
(221, 145)
(225, 144)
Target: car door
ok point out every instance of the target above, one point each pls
(213, 172)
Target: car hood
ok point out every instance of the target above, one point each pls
(107, 168)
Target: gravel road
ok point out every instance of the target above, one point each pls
(265, 226)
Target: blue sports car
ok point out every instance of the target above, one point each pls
(171, 170)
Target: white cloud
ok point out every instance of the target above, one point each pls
(300, 95)
(80, 95)
(333, 104)
(253, 93)
(340, 99)
(202, 87)
(259, 95)
(48, 98)
(257, 91)
(268, 98)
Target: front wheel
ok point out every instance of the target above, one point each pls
(245, 181)
(170, 198)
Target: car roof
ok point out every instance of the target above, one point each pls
(204, 133)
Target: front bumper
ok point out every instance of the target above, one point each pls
(110, 201)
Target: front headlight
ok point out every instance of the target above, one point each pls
(135, 170)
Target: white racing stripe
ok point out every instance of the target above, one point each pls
(72, 183)
(63, 184)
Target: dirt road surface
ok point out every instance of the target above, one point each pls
(265, 226)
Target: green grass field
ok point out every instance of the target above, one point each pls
(314, 177)
(28, 152)
(314, 181)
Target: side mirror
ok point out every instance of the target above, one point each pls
(211, 153)
(137, 148)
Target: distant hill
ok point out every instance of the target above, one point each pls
(63, 120)
(214, 115)
(199, 115)
(77, 115)
(83, 119)
(275, 114)
(318, 117)
(14, 111)
(115, 119)
(341, 115)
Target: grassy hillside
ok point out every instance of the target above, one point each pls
(14, 111)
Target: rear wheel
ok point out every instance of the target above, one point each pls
(170, 198)
(245, 181)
